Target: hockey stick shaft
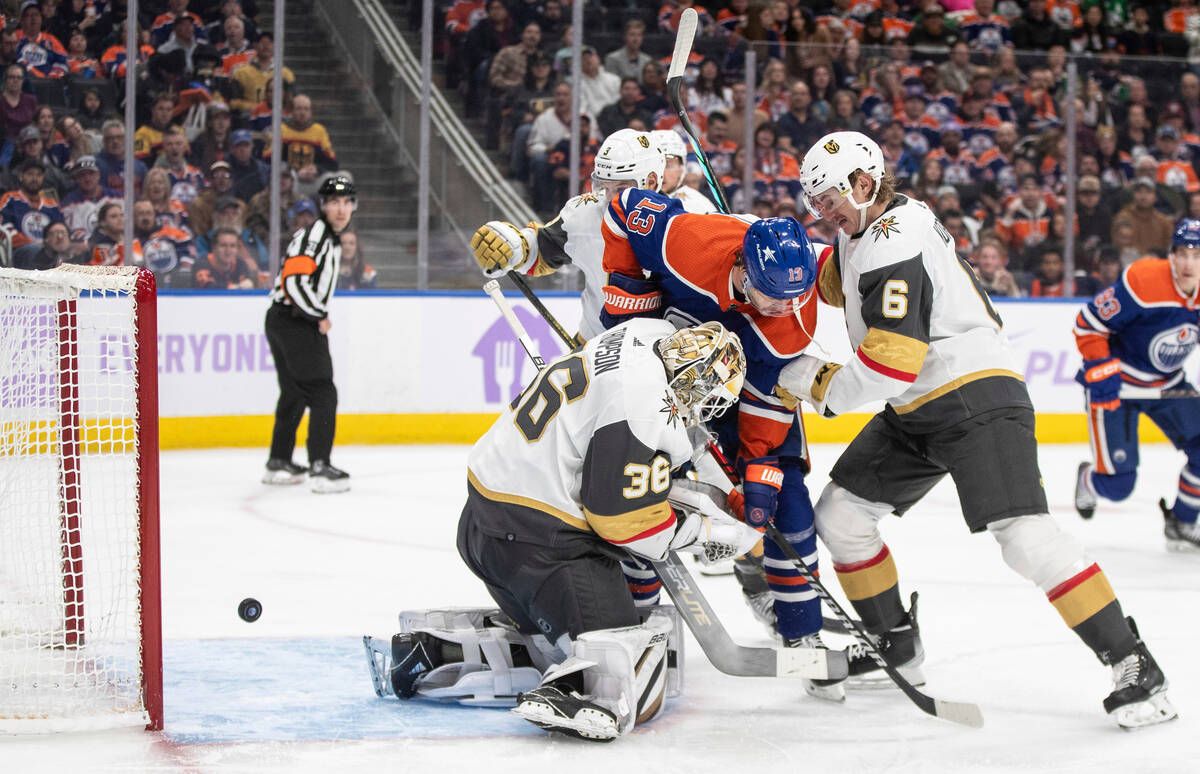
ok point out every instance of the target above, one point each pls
(527, 291)
(1129, 392)
(957, 712)
(684, 38)
(492, 288)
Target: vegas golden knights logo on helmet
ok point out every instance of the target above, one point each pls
(644, 141)
(832, 146)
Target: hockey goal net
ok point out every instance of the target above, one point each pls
(80, 630)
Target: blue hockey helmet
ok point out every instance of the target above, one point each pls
(779, 258)
(1187, 233)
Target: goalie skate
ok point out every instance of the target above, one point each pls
(553, 709)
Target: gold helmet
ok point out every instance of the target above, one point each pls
(705, 369)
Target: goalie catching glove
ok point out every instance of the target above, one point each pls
(705, 528)
(807, 379)
(501, 247)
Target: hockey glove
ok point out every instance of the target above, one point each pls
(713, 536)
(807, 379)
(501, 247)
(760, 487)
(1102, 379)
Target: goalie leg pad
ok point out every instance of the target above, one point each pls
(458, 655)
(848, 525)
(630, 676)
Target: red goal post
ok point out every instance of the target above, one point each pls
(80, 602)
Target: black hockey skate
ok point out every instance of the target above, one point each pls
(324, 478)
(1085, 498)
(900, 646)
(1180, 535)
(829, 690)
(556, 707)
(413, 654)
(755, 590)
(1139, 696)
(283, 472)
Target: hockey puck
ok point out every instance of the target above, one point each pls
(249, 610)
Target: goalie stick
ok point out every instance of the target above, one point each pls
(684, 38)
(720, 649)
(957, 712)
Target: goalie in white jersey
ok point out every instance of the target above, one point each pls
(573, 477)
(627, 159)
(928, 343)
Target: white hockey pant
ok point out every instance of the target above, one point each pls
(627, 670)
(1033, 546)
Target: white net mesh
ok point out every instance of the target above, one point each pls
(70, 634)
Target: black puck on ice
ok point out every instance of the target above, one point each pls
(249, 610)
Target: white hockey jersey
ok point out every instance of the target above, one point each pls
(693, 200)
(587, 450)
(926, 338)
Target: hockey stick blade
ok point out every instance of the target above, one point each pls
(685, 35)
(684, 38)
(730, 657)
(963, 713)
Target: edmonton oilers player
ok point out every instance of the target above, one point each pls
(756, 277)
(1134, 337)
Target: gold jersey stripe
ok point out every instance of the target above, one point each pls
(1085, 600)
(623, 527)
(894, 350)
(954, 384)
(829, 281)
(528, 502)
(869, 581)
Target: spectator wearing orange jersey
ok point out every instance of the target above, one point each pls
(1176, 19)
(1026, 220)
(1047, 279)
(221, 269)
(237, 51)
(1174, 162)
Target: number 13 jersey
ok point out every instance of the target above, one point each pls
(587, 449)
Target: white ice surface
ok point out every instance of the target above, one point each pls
(291, 691)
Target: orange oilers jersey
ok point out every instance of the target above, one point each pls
(690, 259)
(1143, 321)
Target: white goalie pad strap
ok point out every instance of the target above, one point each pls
(485, 675)
(1039, 550)
(629, 672)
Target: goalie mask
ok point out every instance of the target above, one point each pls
(705, 370)
(626, 160)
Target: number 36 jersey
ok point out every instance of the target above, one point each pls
(587, 450)
(925, 336)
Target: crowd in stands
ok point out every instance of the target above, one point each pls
(201, 141)
(968, 99)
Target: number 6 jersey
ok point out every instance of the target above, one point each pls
(926, 338)
(587, 449)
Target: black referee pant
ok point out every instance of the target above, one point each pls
(305, 373)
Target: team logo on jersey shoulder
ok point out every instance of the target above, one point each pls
(832, 146)
(643, 141)
(588, 198)
(670, 409)
(885, 227)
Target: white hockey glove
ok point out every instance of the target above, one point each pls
(501, 247)
(705, 528)
(807, 378)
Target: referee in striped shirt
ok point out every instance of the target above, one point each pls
(297, 324)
